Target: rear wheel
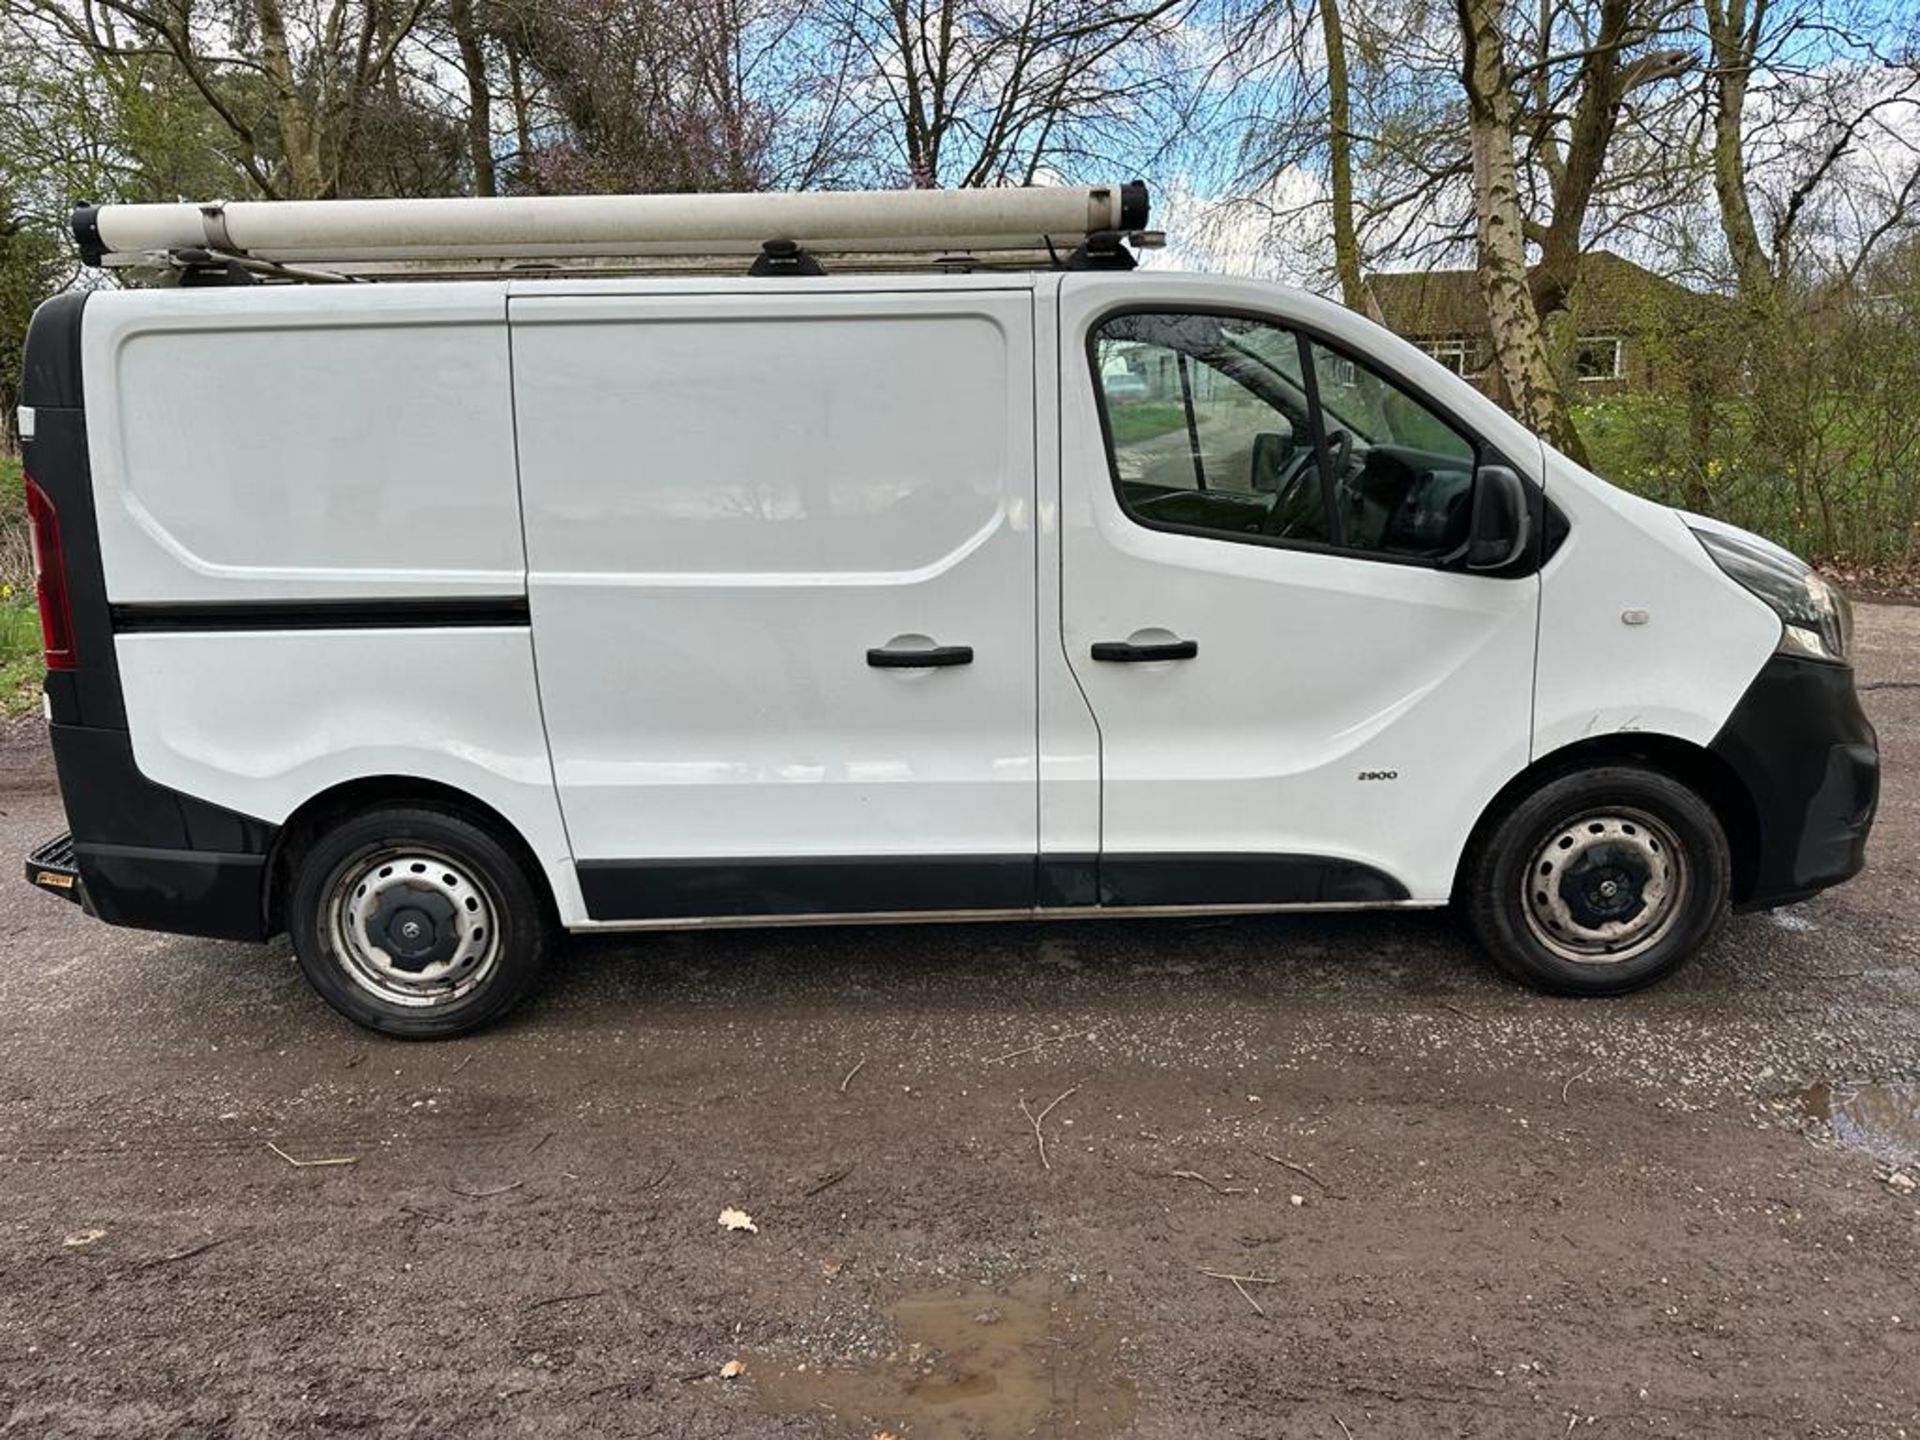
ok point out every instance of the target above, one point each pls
(417, 922)
(1599, 882)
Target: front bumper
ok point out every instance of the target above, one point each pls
(1810, 762)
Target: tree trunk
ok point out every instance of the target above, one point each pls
(473, 61)
(297, 140)
(1575, 177)
(1732, 39)
(1519, 343)
(1346, 244)
(524, 172)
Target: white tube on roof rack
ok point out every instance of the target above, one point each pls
(530, 227)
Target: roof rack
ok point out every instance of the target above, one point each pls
(786, 233)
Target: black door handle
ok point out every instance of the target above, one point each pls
(1126, 653)
(938, 655)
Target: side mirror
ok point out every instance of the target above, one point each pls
(1272, 454)
(1499, 527)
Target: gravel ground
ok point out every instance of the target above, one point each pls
(1455, 1208)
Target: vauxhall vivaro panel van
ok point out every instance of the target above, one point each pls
(428, 618)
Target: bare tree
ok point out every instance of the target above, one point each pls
(294, 88)
(687, 95)
(995, 92)
(1562, 145)
(1833, 84)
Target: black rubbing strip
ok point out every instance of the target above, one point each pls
(146, 617)
(855, 884)
(804, 885)
(1242, 879)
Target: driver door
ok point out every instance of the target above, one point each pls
(1301, 696)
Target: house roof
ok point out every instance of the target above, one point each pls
(1613, 294)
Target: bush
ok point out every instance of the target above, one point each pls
(1844, 501)
(19, 621)
(1794, 418)
(16, 552)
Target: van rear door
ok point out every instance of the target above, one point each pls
(781, 572)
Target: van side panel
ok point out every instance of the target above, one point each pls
(740, 508)
(302, 443)
(309, 571)
(262, 721)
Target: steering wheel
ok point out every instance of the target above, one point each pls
(1297, 501)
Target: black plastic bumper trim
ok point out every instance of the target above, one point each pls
(1808, 757)
(152, 857)
(183, 892)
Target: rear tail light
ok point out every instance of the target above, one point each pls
(50, 579)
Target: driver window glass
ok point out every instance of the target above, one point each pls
(1403, 477)
(1209, 425)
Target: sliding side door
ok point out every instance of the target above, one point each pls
(781, 570)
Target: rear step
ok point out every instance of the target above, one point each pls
(51, 866)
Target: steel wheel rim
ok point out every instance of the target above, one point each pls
(1606, 886)
(374, 897)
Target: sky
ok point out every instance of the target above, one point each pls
(1281, 230)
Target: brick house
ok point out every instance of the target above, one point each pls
(1619, 333)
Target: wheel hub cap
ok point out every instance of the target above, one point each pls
(415, 926)
(1605, 882)
(1605, 887)
(412, 927)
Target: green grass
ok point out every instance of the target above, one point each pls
(1134, 423)
(20, 668)
(20, 665)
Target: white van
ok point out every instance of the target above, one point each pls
(428, 620)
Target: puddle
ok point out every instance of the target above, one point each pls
(1883, 1120)
(973, 1364)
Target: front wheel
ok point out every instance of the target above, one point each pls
(1599, 882)
(417, 922)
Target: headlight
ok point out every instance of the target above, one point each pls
(1815, 617)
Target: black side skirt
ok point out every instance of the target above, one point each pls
(617, 890)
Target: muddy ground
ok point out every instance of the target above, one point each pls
(1514, 1215)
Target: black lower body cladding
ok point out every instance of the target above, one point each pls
(152, 858)
(1808, 757)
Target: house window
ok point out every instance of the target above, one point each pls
(1456, 355)
(1598, 357)
(1339, 372)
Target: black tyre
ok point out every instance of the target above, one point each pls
(417, 922)
(1599, 882)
